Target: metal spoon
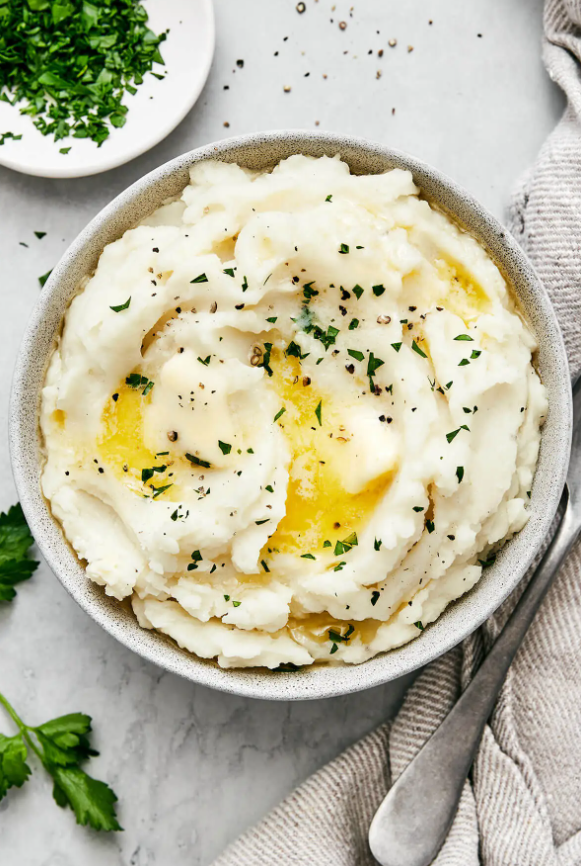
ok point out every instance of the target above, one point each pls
(410, 826)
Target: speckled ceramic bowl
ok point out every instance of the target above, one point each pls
(261, 151)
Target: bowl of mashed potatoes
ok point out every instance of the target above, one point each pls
(292, 415)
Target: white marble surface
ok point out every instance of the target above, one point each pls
(192, 767)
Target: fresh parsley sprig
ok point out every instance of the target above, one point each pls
(15, 540)
(60, 745)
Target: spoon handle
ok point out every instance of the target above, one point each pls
(413, 821)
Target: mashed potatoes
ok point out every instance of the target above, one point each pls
(291, 414)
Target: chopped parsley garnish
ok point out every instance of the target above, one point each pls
(308, 291)
(205, 361)
(201, 278)
(146, 474)
(272, 319)
(475, 354)
(396, 346)
(375, 597)
(64, 150)
(328, 337)
(294, 350)
(417, 349)
(344, 249)
(244, 284)
(354, 323)
(157, 491)
(264, 565)
(464, 337)
(42, 280)
(266, 358)
(419, 625)
(224, 447)
(336, 638)
(327, 543)
(260, 522)
(40, 235)
(329, 198)
(486, 563)
(463, 362)
(346, 545)
(197, 557)
(418, 507)
(270, 488)
(377, 544)
(279, 413)
(339, 566)
(319, 412)
(378, 290)
(308, 556)
(4, 136)
(355, 353)
(357, 291)
(236, 603)
(120, 307)
(448, 386)
(373, 364)
(197, 462)
(451, 436)
(430, 526)
(228, 271)
(136, 380)
(459, 473)
(72, 62)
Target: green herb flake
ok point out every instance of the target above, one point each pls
(327, 543)
(464, 362)
(40, 235)
(417, 349)
(4, 136)
(375, 597)
(459, 473)
(418, 508)
(157, 491)
(354, 323)
(357, 291)
(319, 412)
(229, 272)
(339, 566)
(42, 280)
(279, 414)
(120, 307)
(64, 150)
(198, 462)
(224, 447)
(378, 290)
(355, 353)
(396, 346)
(308, 556)
(264, 565)
(244, 284)
(486, 563)
(344, 249)
(329, 197)
(430, 526)
(475, 354)
(272, 319)
(270, 488)
(419, 625)
(236, 603)
(136, 380)
(465, 338)
(201, 278)
(260, 522)
(377, 544)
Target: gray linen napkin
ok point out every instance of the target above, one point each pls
(522, 806)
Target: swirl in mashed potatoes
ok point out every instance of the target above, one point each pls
(291, 414)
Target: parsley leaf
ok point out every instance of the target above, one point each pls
(319, 412)
(224, 447)
(202, 278)
(15, 540)
(197, 462)
(464, 337)
(278, 414)
(355, 353)
(344, 249)
(42, 280)
(357, 291)
(417, 349)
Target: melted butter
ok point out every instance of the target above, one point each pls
(316, 626)
(465, 297)
(59, 417)
(318, 508)
(121, 444)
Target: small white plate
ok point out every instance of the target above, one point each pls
(154, 111)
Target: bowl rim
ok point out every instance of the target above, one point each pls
(316, 681)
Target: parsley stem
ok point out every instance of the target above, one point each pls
(12, 713)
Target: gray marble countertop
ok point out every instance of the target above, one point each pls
(193, 767)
